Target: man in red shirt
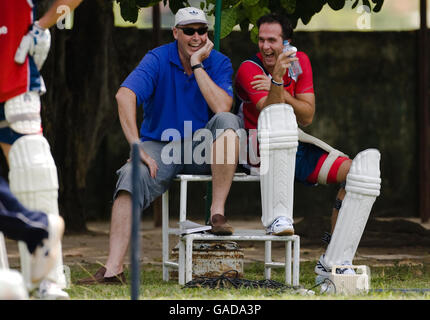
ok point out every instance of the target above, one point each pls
(263, 81)
(253, 81)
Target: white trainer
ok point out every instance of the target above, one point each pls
(49, 290)
(45, 256)
(281, 226)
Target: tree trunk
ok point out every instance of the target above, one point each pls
(79, 106)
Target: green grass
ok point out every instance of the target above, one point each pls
(152, 286)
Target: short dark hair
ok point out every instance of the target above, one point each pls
(287, 27)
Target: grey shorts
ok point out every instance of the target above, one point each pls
(174, 158)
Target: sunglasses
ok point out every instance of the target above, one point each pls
(190, 31)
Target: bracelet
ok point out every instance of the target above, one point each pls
(199, 65)
(277, 83)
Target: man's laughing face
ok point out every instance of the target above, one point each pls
(190, 43)
(270, 43)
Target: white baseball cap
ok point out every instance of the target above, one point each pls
(190, 15)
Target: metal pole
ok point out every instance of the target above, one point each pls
(217, 31)
(135, 224)
(217, 35)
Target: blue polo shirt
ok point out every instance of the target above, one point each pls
(170, 96)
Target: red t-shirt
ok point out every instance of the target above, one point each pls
(16, 16)
(249, 96)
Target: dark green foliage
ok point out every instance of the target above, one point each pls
(245, 12)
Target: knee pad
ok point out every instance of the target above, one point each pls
(363, 185)
(33, 180)
(278, 139)
(23, 113)
(33, 174)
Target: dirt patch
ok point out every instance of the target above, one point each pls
(379, 232)
(383, 243)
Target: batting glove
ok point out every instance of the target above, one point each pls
(35, 43)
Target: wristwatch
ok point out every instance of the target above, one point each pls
(196, 66)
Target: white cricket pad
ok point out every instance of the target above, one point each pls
(12, 285)
(278, 138)
(46, 255)
(33, 180)
(23, 113)
(33, 174)
(363, 185)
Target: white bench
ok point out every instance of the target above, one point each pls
(184, 264)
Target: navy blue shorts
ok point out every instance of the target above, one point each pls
(19, 223)
(307, 157)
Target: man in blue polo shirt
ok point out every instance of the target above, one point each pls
(185, 89)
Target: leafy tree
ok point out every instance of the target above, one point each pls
(246, 12)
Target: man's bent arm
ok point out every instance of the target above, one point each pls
(127, 117)
(276, 95)
(51, 16)
(303, 105)
(217, 99)
(126, 100)
(276, 92)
